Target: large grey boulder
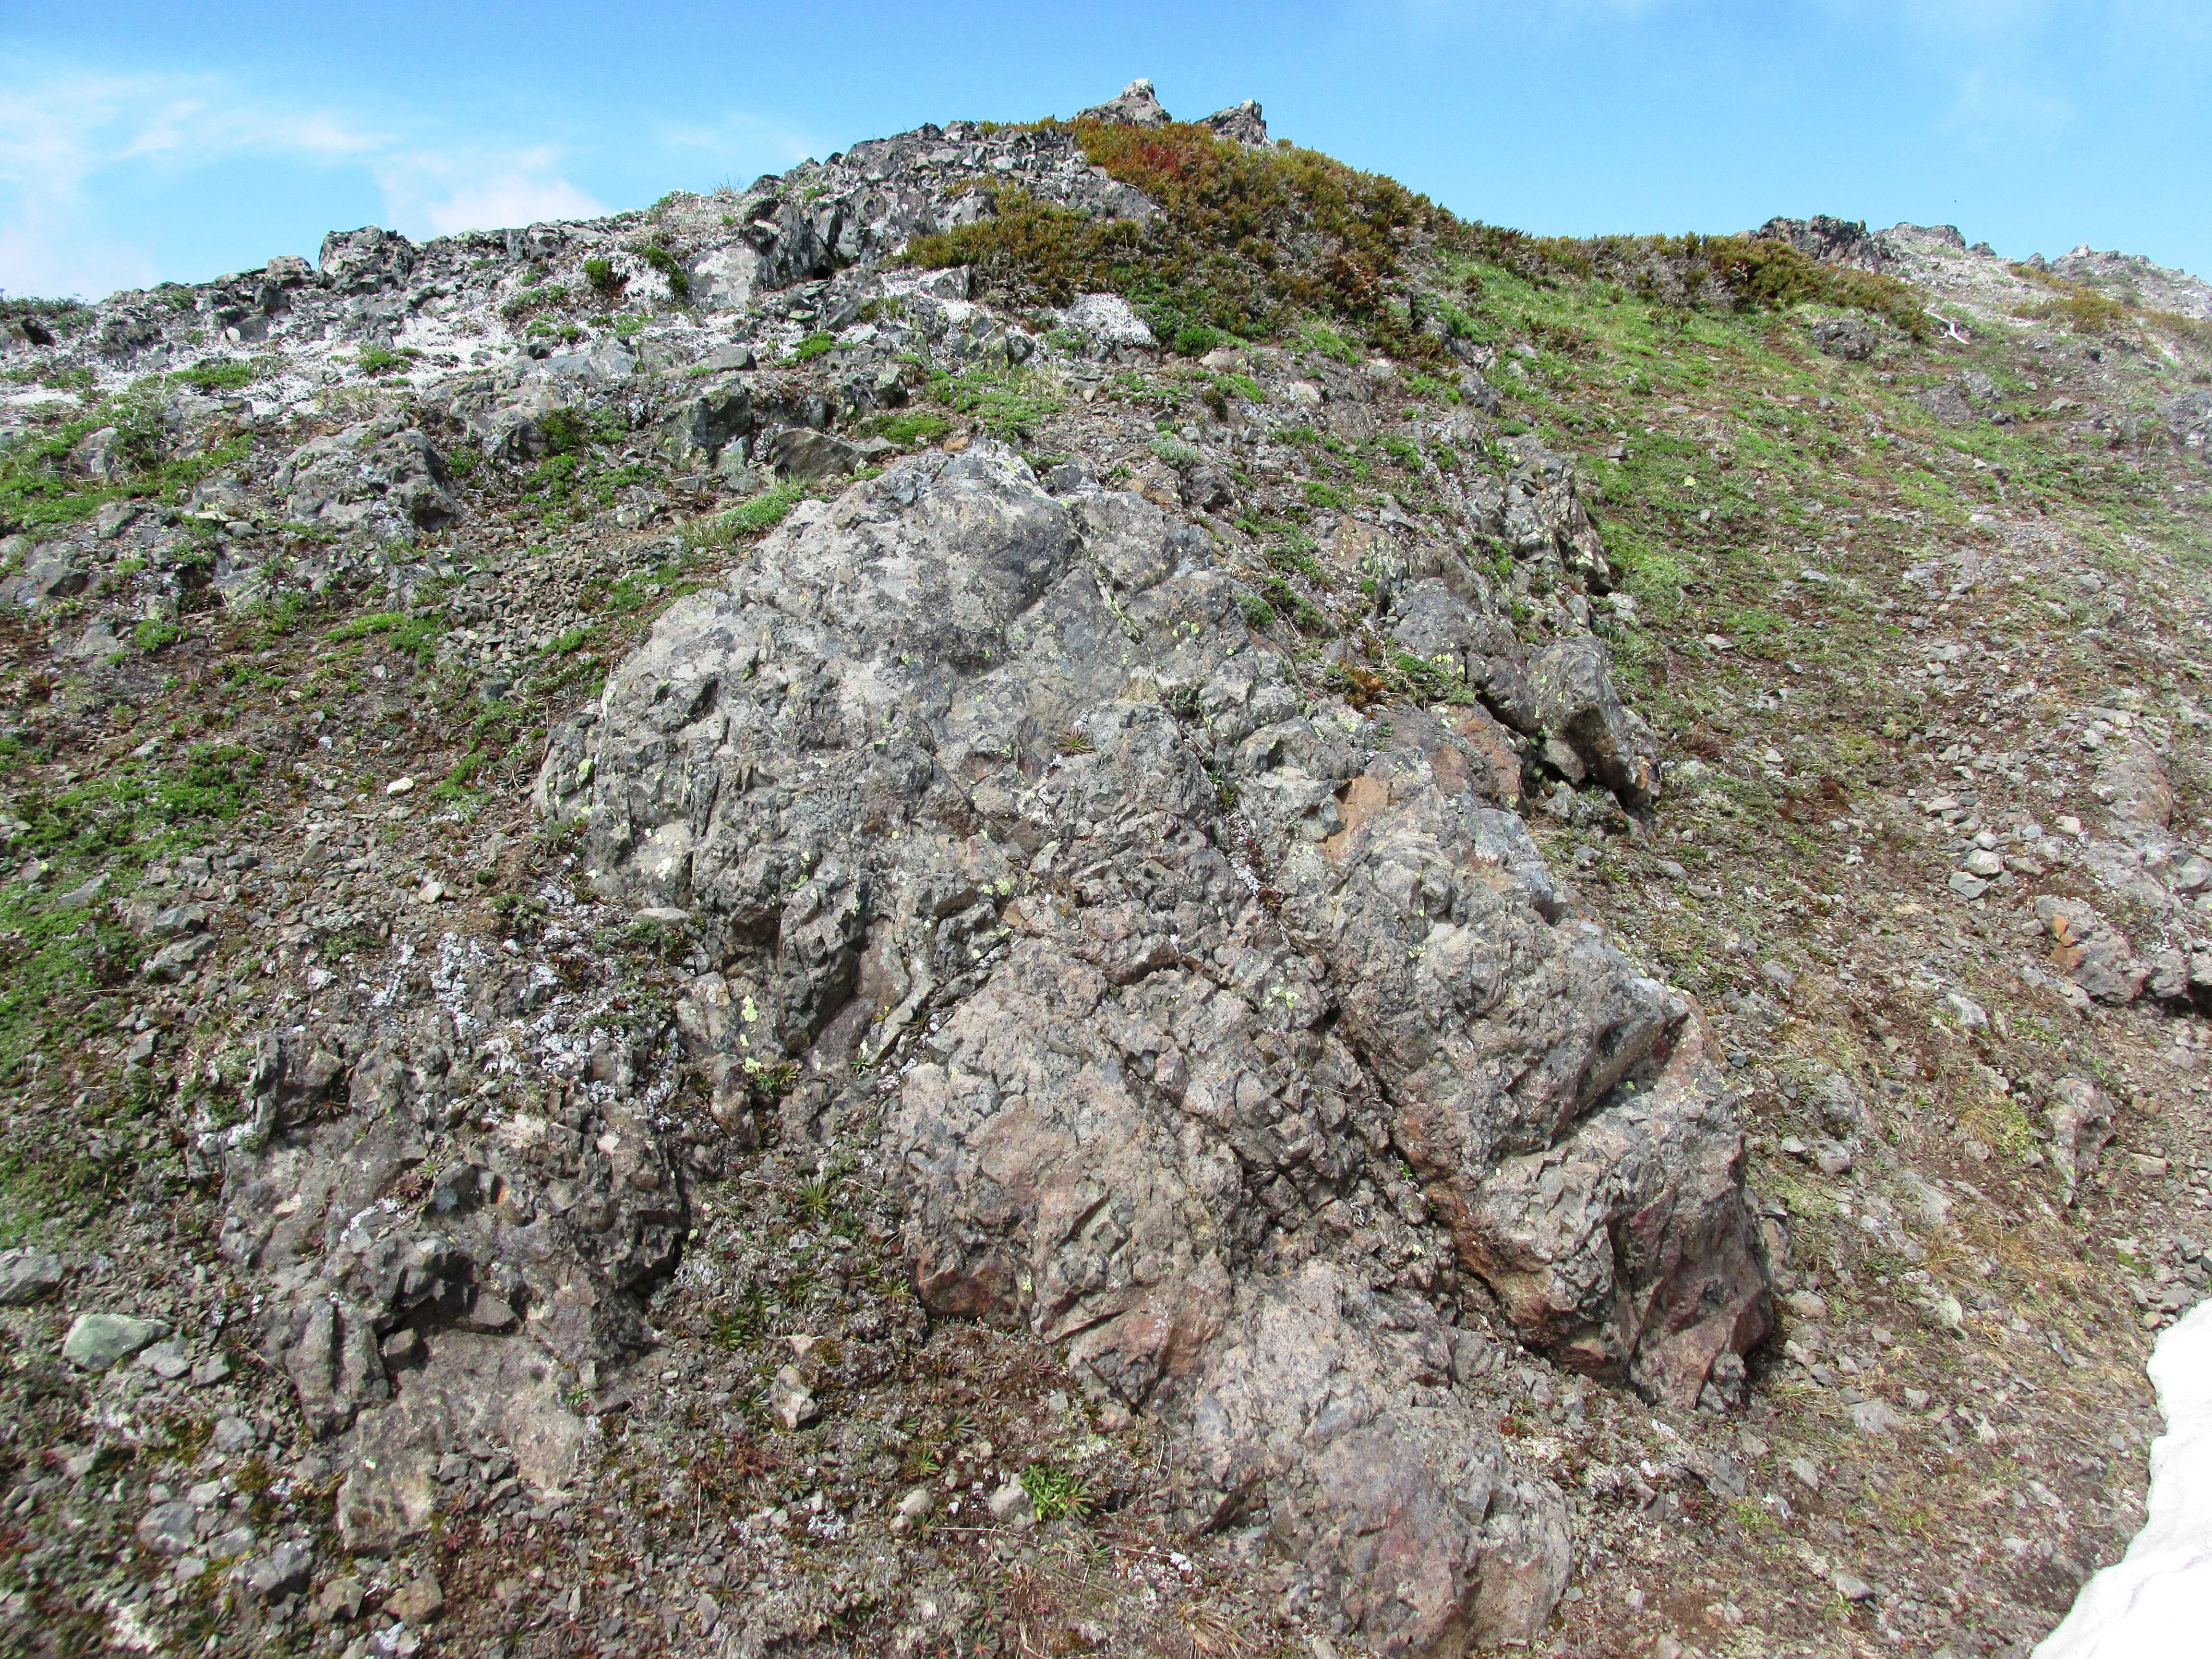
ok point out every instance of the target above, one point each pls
(1573, 699)
(49, 573)
(1179, 957)
(98, 1341)
(366, 260)
(28, 1275)
(391, 484)
(423, 1293)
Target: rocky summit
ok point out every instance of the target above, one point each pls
(1085, 887)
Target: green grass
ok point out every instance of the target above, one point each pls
(813, 346)
(410, 636)
(66, 959)
(376, 360)
(38, 489)
(753, 517)
(1306, 616)
(1009, 403)
(220, 376)
(530, 301)
(571, 431)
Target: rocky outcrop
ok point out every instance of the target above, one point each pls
(389, 481)
(1241, 122)
(1832, 242)
(365, 261)
(1134, 106)
(1176, 950)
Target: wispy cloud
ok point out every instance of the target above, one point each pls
(1995, 106)
(66, 135)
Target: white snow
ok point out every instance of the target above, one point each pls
(2156, 1602)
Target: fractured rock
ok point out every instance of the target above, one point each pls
(1172, 1034)
(2081, 1117)
(2090, 951)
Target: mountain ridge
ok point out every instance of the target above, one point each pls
(1092, 849)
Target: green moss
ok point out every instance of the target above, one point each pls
(909, 428)
(815, 345)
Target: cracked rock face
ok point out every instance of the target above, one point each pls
(1163, 953)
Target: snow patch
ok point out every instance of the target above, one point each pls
(2153, 1603)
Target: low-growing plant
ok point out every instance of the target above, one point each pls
(1056, 1493)
(664, 260)
(1009, 403)
(376, 360)
(220, 376)
(410, 636)
(752, 517)
(606, 282)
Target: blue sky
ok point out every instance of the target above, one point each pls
(142, 143)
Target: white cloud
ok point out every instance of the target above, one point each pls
(61, 130)
(435, 194)
(69, 135)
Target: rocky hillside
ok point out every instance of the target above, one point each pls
(1088, 888)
